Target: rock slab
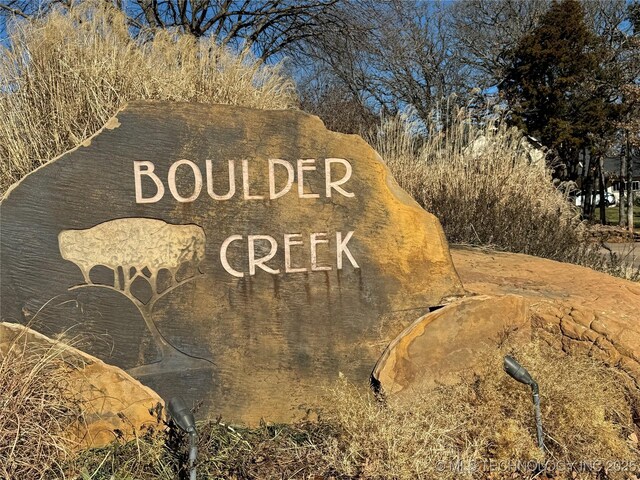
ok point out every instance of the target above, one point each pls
(236, 257)
(439, 346)
(575, 309)
(113, 404)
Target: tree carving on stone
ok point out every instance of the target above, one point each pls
(140, 248)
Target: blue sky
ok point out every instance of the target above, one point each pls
(3, 30)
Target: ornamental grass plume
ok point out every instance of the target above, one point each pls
(483, 184)
(63, 76)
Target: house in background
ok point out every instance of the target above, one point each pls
(614, 188)
(612, 172)
(613, 182)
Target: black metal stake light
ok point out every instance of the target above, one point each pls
(183, 417)
(519, 373)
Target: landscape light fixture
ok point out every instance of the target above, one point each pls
(519, 373)
(183, 417)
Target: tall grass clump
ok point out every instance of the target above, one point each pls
(63, 76)
(37, 408)
(480, 181)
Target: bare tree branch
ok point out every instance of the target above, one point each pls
(13, 11)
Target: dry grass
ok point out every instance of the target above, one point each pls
(622, 264)
(483, 427)
(36, 406)
(480, 182)
(480, 428)
(63, 76)
(224, 452)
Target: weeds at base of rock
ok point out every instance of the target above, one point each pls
(479, 428)
(37, 407)
(622, 265)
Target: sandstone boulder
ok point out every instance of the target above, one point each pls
(573, 308)
(114, 405)
(439, 346)
(239, 258)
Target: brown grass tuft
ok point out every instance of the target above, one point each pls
(486, 188)
(481, 182)
(36, 407)
(483, 427)
(64, 76)
(621, 264)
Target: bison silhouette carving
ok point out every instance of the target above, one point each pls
(140, 248)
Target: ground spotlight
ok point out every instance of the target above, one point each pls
(183, 417)
(519, 373)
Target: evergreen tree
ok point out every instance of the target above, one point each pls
(557, 89)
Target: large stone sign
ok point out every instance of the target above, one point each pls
(239, 258)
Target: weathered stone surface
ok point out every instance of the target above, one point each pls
(572, 308)
(236, 257)
(113, 403)
(450, 340)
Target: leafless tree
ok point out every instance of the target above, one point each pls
(617, 23)
(396, 53)
(269, 27)
(486, 31)
(342, 110)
